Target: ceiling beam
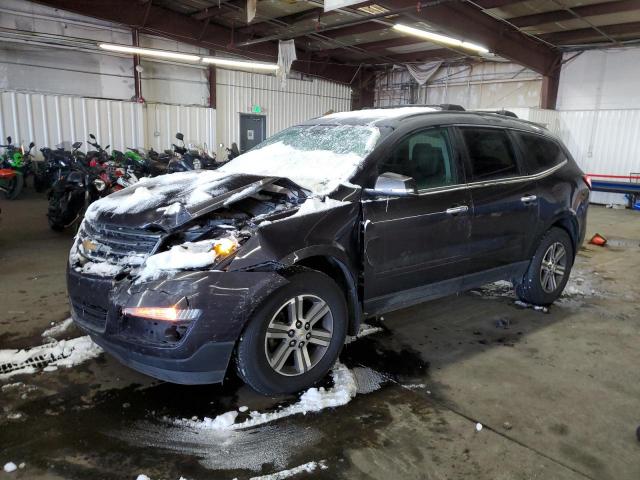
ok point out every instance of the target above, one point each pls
(467, 22)
(584, 11)
(588, 34)
(426, 56)
(167, 23)
(495, 3)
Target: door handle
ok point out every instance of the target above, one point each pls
(457, 210)
(528, 199)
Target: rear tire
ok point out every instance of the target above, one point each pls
(295, 336)
(548, 270)
(14, 186)
(64, 208)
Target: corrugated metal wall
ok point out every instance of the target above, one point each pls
(196, 123)
(601, 141)
(300, 100)
(51, 119)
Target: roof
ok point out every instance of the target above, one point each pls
(394, 117)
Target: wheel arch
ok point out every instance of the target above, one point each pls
(335, 268)
(566, 221)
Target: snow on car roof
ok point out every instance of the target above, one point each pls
(375, 114)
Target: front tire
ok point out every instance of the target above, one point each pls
(549, 269)
(295, 336)
(14, 186)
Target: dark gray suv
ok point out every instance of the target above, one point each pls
(275, 258)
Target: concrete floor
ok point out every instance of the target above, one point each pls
(557, 393)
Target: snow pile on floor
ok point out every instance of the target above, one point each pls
(308, 467)
(58, 329)
(365, 329)
(313, 400)
(316, 158)
(10, 467)
(63, 353)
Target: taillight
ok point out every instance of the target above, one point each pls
(587, 180)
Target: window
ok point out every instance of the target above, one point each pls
(490, 152)
(541, 153)
(425, 156)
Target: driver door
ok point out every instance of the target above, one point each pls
(417, 245)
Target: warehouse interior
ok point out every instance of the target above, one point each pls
(472, 385)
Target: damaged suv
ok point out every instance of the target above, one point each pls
(275, 258)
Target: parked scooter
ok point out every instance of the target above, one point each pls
(15, 165)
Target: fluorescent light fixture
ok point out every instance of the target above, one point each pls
(226, 62)
(149, 52)
(436, 37)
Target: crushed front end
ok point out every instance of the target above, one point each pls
(155, 289)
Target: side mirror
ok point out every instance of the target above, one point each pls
(92, 136)
(180, 137)
(9, 140)
(31, 145)
(394, 185)
(77, 145)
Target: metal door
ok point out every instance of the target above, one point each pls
(253, 130)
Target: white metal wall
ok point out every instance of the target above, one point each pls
(603, 142)
(51, 119)
(300, 100)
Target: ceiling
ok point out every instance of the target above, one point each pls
(339, 43)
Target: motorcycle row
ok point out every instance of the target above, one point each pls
(74, 179)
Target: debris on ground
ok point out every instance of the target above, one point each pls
(281, 475)
(504, 323)
(478, 427)
(537, 308)
(10, 467)
(507, 426)
(598, 240)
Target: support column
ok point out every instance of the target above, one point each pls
(549, 91)
(137, 80)
(212, 86)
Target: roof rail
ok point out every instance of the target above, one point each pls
(441, 106)
(506, 113)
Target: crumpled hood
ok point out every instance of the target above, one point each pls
(169, 201)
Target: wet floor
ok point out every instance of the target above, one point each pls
(556, 392)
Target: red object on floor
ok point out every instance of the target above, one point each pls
(598, 239)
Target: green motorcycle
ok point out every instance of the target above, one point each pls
(15, 165)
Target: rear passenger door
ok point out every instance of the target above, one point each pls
(504, 198)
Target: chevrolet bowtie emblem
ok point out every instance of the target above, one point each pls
(89, 246)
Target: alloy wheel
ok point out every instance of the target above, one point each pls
(298, 335)
(553, 267)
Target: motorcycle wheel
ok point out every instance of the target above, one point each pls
(64, 208)
(13, 186)
(41, 182)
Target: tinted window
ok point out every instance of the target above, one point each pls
(491, 153)
(425, 156)
(540, 153)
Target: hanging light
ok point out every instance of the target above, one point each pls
(227, 62)
(438, 38)
(149, 52)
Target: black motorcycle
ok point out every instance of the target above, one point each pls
(72, 194)
(57, 164)
(189, 159)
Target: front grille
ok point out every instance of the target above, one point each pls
(110, 243)
(93, 316)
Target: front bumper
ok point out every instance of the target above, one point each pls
(193, 352)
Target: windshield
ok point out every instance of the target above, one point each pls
(316, 157)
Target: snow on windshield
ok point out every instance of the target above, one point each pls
(317, 157)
